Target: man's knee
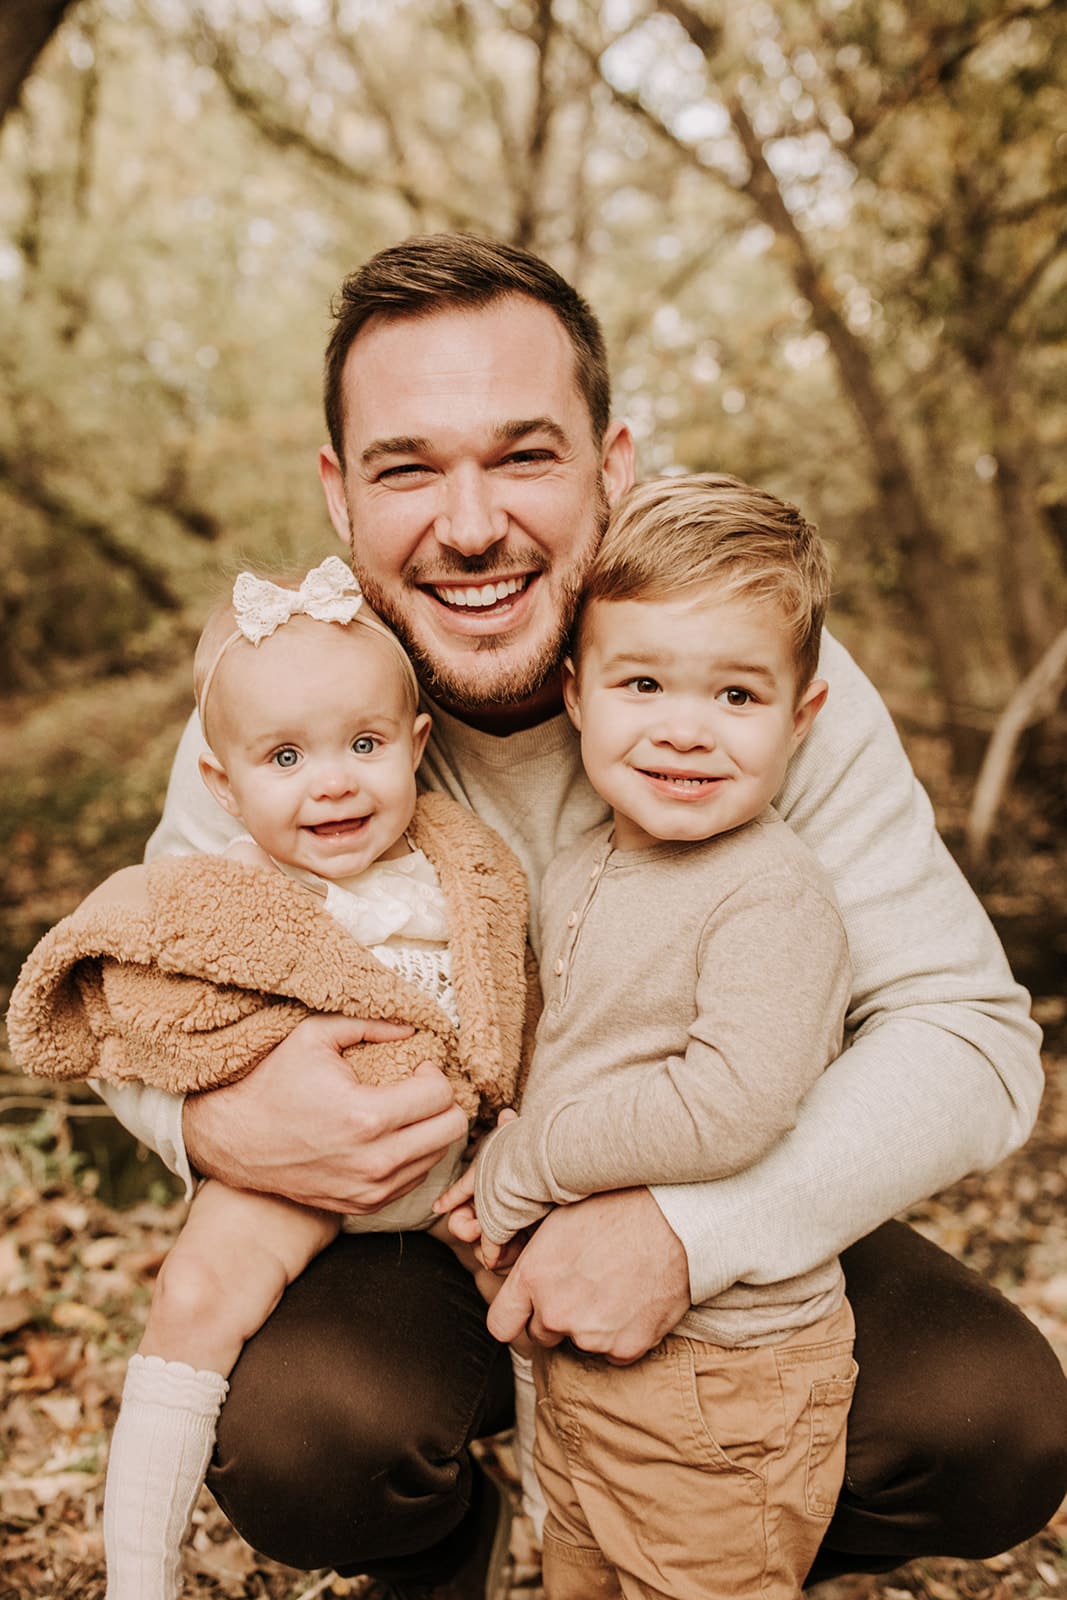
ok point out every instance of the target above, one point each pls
(344, 1435)
(958, 1438)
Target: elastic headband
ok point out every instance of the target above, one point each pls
(328, 593)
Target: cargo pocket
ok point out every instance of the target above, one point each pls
(828, 1407)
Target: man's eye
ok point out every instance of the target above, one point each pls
(735, 696)
(643, 685)
(406, 472)
(286, 757)
(527, 458)
(365, 745)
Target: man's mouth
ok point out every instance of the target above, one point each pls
(482, 597)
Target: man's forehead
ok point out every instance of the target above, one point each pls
(512, 358)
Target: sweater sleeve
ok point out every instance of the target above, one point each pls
(772, 963)
(944, 1074)
(192, 823)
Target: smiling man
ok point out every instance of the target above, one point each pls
(470, 464)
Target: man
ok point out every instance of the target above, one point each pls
(471, 461)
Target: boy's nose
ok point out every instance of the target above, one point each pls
(686, 730)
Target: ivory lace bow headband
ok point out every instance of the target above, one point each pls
(328, 593)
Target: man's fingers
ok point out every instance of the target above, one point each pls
(344, 1031)
(513, 1314)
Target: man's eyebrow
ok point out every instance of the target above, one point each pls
(402, 445)
(511, 432)
(502, 433)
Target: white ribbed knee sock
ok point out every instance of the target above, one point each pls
(156, 1467)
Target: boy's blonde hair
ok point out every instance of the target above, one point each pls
(220, 633)
(668, 536)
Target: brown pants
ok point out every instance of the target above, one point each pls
(697, 1473)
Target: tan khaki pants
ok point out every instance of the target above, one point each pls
(697, 1473)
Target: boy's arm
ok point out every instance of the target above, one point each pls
(772, 962)
(944, 1077)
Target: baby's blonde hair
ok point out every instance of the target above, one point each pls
(668, 536)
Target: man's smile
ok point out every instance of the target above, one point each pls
(480, 597)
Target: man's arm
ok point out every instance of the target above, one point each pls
(944, 1078)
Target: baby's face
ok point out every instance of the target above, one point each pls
(317, 746)
(688, 712)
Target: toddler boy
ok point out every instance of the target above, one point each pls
(695, 976)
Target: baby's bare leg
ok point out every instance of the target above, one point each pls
(234, 1258)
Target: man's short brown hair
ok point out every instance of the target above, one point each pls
(456, 271)
(668, 536)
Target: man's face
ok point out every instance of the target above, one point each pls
(473, 495)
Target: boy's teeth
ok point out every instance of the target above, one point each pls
(487, 595)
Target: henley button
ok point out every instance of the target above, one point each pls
(559, 969)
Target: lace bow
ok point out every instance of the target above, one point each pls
(329, 593)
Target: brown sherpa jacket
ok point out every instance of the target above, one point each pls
(186, 972)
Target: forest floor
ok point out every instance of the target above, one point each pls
(76, 1270)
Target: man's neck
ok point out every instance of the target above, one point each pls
(511, 716)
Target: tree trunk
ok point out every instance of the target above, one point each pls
(25, 28)
(1024, 567)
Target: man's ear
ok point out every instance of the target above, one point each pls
(217, 780)
(420, 732)
(808, 707)
(570, 692)
(333, 487)
(618, 461)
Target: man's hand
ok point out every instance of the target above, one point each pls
(608, 1272)
(300, 1125)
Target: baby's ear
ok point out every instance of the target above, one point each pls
(215, 776)
(570, 692)
(808, 707)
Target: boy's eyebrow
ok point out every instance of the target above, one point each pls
(658, 659)
(405, 444)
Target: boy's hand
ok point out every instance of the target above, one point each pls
(457, 1203)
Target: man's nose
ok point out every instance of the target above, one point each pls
(470, 521)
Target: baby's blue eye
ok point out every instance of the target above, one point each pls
(364, 745)
(285, 758)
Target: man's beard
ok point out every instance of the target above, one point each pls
(454, 689)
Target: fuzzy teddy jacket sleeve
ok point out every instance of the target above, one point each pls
(185, 973)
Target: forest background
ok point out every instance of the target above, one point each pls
(828, 241)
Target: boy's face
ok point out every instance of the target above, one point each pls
(317, 746)
(688, 712)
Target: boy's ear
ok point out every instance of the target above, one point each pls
(420, 732)
(808, 707)
(570, 692)
(215, 776)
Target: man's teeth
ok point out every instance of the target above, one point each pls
(487, 595)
